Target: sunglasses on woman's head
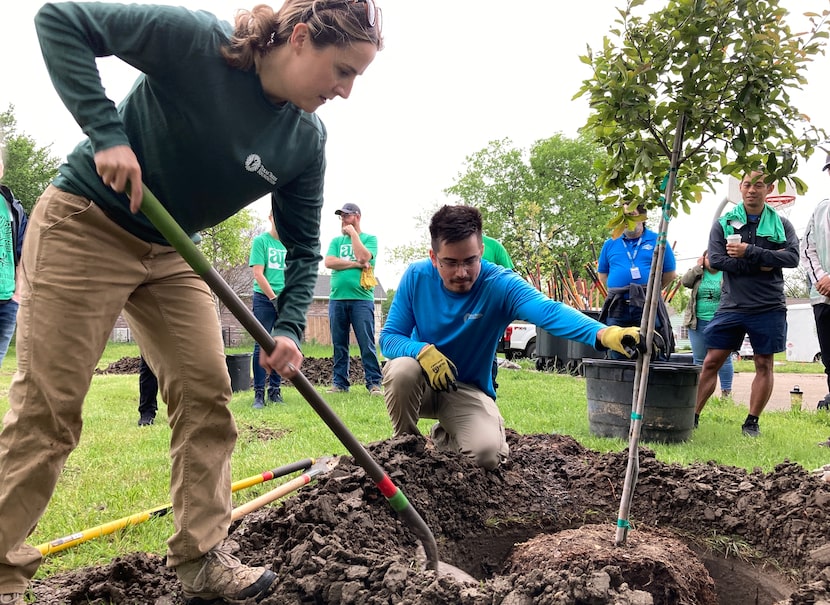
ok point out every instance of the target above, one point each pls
(373, 14)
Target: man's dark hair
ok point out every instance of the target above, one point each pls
(453, 224)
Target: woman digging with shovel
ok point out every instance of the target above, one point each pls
(219, 117)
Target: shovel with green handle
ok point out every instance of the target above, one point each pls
(175, 235)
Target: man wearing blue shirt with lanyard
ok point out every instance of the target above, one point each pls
(624, 266)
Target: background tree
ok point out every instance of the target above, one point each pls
(386, 305)
(404, 254)
(29, 168)
(565, 171)
(796, 283)
(228, 247)
(543, 205)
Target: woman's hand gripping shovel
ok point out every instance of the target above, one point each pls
(173, 233)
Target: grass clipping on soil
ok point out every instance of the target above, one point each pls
(538, 530)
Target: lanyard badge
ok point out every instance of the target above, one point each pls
(635, 270)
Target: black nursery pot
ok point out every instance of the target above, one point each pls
(669, 410)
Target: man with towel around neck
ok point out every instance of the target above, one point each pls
(752, 299)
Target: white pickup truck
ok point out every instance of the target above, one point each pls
(519, 340)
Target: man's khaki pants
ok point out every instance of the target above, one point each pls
(78, 271)
(469, 421)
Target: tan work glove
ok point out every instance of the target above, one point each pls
(440, 371)
(621, 340)
(367, 278)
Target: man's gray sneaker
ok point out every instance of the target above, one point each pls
(751, 429)
(219, 575)
(11, 598)
(259, 399)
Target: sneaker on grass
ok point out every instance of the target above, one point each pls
(275, 395)
(751, 429)
(220, 575)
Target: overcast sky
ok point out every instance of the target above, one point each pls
(453, 76)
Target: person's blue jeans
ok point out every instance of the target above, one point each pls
(8, 321)
(266, 314)
(359, 315)
(699, 354)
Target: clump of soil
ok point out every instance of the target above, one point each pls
(538, 530)
(125, 365)
(318, 370)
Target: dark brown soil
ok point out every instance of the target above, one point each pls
(318, 370)
(539, 530)
(125, 365)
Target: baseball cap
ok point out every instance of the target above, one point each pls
(826, 162)
(348, 209)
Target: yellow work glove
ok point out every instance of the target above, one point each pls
(440, 371)
(621, 340)
(367, 278)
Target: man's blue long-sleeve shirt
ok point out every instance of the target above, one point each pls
(466, 327)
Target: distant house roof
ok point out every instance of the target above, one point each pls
(322, 289)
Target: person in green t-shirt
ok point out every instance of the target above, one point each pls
(268, 263)
(704, 299)
(13, 221)
(351, 258)
(497, 254)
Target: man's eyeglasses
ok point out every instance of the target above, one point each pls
(453, 265)
(374, 17)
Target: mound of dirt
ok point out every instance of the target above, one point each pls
(125, 365)
(649, 557)
(339, 542)
(318, 370)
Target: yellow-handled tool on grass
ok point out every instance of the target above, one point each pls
(85, 535)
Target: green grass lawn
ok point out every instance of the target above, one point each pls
(119, 468)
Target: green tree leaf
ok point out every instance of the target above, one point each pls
(28, 167)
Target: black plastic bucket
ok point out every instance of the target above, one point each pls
(669, 410)
(548, 345)
(239, 368)
(686, 358)
(551, 351)
(578, 351)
